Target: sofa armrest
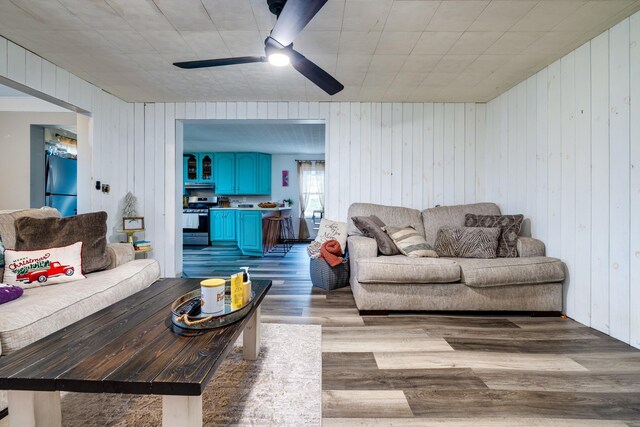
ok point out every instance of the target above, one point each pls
(362, 247)
(120, 253)
(529, 247)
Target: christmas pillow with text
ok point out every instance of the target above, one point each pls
(30, 269)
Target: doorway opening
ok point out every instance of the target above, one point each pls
(251, 189)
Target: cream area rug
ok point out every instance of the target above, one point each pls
(281, 388)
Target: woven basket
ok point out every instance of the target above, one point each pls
(328, 278)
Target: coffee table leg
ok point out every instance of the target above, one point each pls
(181, 411)
(251, 337)
(34, 408)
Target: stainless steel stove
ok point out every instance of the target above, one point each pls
(195, 220)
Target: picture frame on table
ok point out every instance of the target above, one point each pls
(133, 223)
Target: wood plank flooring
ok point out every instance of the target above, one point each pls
(443, 370)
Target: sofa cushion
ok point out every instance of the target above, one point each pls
(467, 242)
(410, 242)
(402, 269)
(373, 227)
(47, 309)
(90, 229)
(8, 219)
(452, 216)
(509, 226)
(393, 216)
(8, 228)
(481, 273)
(32, 269)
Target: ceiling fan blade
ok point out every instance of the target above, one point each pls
(317, 75)
(220, 62)
(295, 15)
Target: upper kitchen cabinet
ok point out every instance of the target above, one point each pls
(242, 173)
(190, 167)
(205, 167)
(224, 166)
(246, 173)
(197, 168)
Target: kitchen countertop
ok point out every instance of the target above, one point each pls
(253, 209)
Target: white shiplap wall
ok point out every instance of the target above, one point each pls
(565, 146)
(416, 155)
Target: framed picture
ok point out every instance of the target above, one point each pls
(285, 178)
(133, 223)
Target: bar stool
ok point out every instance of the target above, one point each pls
(278, 235)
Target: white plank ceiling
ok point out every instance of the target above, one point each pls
(381, 50)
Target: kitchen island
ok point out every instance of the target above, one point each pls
(243, 226)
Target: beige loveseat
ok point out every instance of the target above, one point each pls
(44, 310)
(530, 282)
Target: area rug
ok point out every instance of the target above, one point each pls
(281, 388)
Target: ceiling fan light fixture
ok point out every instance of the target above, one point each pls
(279, 59)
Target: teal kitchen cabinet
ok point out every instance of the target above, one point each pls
(190, 167)
(205, 167)
(264, 174)
(246, 173)
(249, 224)
(224, 167)
(242, 173)
(223, 225)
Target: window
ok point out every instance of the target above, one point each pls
(312, 186)
(315, 194)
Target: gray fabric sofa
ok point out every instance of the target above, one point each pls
(44, 310)
(531, 282)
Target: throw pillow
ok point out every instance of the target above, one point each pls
(467, 242)
(30, 269)
(90, 229)
(410, 242)
(509, 226)
(9, 292)
(333, 230)
(373, 227)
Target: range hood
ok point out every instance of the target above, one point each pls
(200, 185)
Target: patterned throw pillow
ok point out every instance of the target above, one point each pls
(333, 230)
(509, 226)
(30, 269)
(467, 242)
(373, 227)
(410, 242)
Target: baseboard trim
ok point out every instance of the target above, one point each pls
(527, 313)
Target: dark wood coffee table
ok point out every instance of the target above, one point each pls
(128, 347)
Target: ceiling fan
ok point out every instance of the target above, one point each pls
(293, 16)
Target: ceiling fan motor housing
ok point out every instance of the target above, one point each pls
(275, 6)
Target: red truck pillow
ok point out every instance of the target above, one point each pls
(30, 269)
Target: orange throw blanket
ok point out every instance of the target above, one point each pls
(330, 252)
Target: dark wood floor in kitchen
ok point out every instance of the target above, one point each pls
(410, 370)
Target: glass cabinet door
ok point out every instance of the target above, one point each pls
(190, 167)
(206, 167)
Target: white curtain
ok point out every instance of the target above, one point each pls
(304, 177)
(320, 181)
